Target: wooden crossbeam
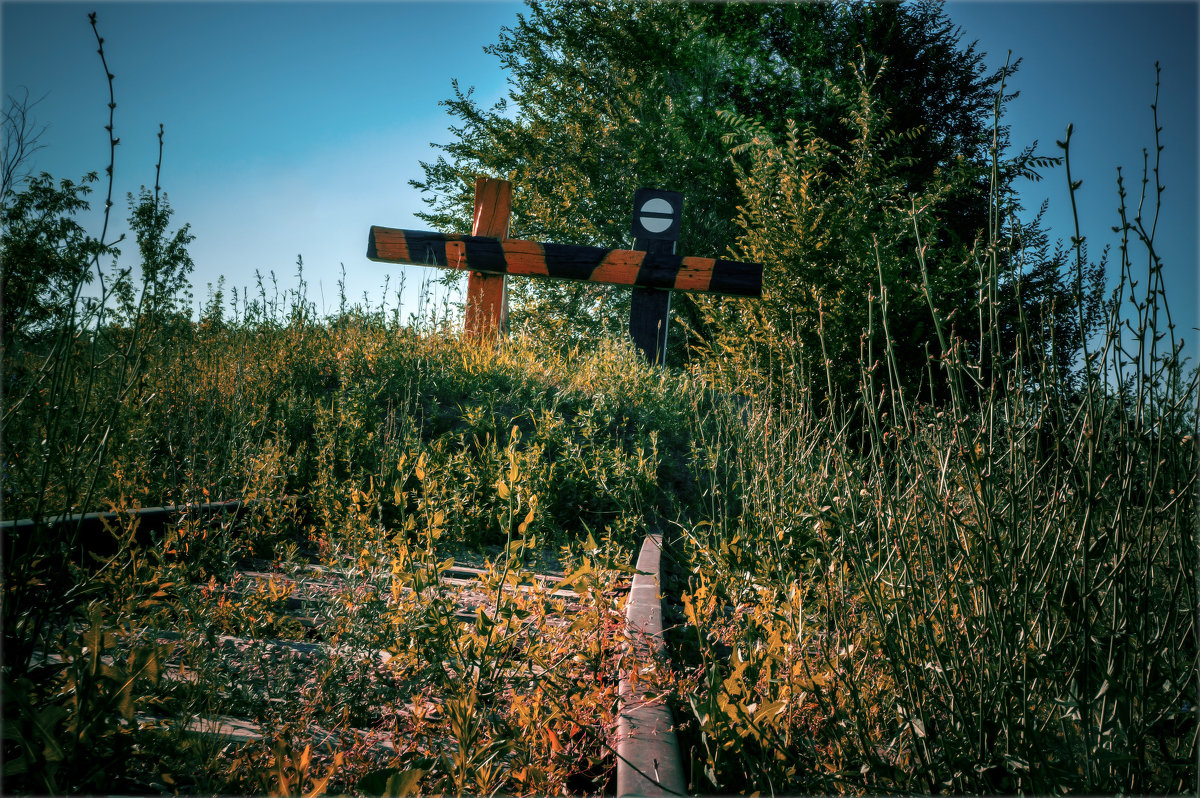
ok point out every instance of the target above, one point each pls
(566, 262)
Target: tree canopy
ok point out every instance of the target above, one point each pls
(606, 98)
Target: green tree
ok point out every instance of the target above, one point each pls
(605, 98)
(832, 225)
(1047, 305)
(165, 262)
(47, 255)
(837, 228)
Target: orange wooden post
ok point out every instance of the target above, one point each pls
(487, 300)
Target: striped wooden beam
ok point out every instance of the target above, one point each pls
(566, 262)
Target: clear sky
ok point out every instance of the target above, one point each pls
(293, 127)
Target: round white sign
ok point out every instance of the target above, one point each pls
(656, 215)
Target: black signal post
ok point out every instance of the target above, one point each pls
(657, 217)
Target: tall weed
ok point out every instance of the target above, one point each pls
(993, 593)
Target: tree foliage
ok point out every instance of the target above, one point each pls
(605, 98)
(165, 262)
(49, 257)
(47, 253)
(862, 270)
(830, 223)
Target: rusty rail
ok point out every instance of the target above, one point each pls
(648, 761)
(91, 527)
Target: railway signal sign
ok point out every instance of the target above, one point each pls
(657, 214)
(652, 268)
(657, 217)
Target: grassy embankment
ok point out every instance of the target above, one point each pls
(401, 449)
(996, 593)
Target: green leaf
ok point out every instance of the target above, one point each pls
(482, 622)
(391, 782)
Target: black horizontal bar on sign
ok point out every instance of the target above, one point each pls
(515, 256)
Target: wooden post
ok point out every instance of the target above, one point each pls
(487, 300)
(650, 310)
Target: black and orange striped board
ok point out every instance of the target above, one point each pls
(566, 262)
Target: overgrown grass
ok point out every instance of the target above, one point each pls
(397, 451)
(996, 593)
(986, 583)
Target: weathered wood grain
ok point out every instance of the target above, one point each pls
(487, 301)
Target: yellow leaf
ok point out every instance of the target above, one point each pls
(574, 577)
(126, 703)
(403, 784)
(525, 524)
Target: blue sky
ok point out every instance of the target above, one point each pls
(1092, 65)
(291, 128)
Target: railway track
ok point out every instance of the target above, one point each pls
(354, 659)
